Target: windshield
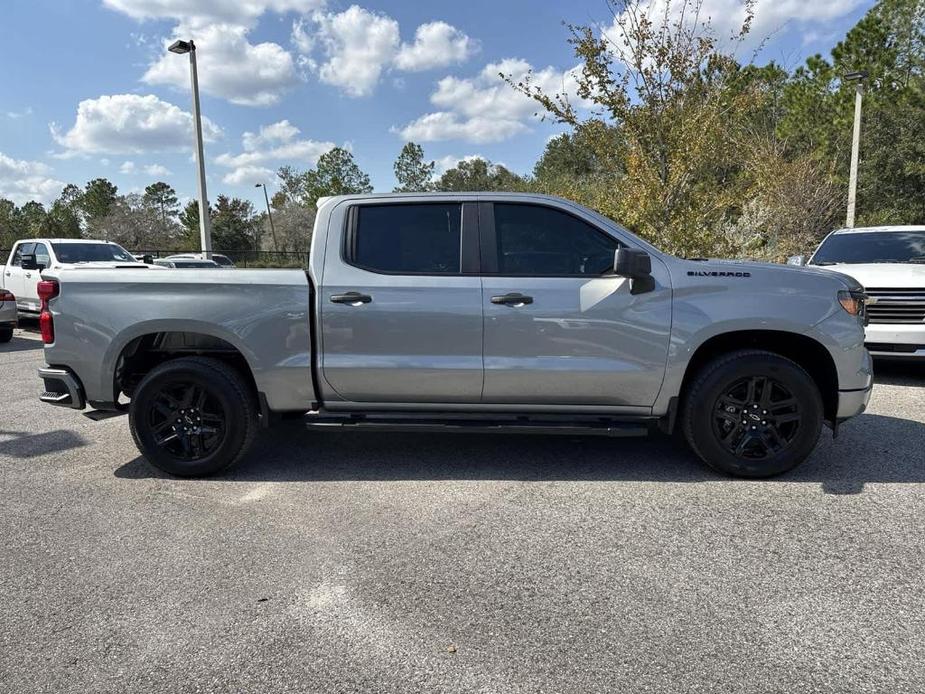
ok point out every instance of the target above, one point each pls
(91, 253)
(872, 247)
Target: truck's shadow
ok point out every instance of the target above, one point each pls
(872, 448)
(19, 344)
(900, 372)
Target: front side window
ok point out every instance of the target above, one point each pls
(407, 239)
(21, 250)
(543, 241)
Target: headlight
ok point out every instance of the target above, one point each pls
(853, 302)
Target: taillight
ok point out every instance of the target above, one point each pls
(6, 296)
(47, 290)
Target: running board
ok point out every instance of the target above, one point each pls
(520, 425)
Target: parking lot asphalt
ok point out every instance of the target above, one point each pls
(373, 562)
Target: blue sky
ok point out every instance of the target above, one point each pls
(88, 89)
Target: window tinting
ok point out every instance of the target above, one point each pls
(536, 240)
(21, 249)
(412, 239)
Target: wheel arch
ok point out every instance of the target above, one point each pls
(140, 353)
(809, 353)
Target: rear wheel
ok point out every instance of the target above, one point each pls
(752, 414)
(6, 334)
(193, 416)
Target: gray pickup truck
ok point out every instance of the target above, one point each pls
(468, 313)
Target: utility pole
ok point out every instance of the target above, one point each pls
(858, 78)
(269, 214)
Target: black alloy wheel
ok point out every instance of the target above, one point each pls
(756, 418)
(193, 416)
(752, 413)
(186, 420)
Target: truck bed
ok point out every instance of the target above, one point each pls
(263, 314)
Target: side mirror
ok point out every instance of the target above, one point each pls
(796, 260)
(29, 262)
(637, 265)
(147, 259)
(632, 263)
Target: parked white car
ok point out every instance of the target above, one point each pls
(187, 263)
(221, 260)
(7, 315)
(890, 262)
(56, 254)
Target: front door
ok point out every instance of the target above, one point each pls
(559, 328)
(401, 309)
(14, 275)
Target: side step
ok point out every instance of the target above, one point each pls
(590, 426)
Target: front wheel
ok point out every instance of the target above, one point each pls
(193, 416)
(752, 414)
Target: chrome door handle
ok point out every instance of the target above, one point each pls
(351, 298)
(28, 275)
(513, 299)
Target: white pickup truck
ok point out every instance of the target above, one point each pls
(57, 254)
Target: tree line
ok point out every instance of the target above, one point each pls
(695, 150)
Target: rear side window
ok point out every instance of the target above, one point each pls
(418, 239)
(542, 241)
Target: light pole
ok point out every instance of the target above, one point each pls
(269, 214)
(858, 78)
(205, 231)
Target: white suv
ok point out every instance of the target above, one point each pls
(890, 263)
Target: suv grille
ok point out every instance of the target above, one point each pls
(897, 306)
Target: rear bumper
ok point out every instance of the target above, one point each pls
(62, 388)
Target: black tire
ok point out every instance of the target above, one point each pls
(6, 334)
(193, 416)
(753, 414)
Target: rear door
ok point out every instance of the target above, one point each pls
(559, 328)
(401, 308)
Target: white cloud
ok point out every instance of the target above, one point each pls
(230, 66)
(203, 12)
(249, 175)
(157, 170)
(444, 164)
(771, 16)
(27, 111)
(130, 124)
(436, 44)
(358, 45)
(277, 143)
(485, 108)
(22, 181)
(449, 126)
